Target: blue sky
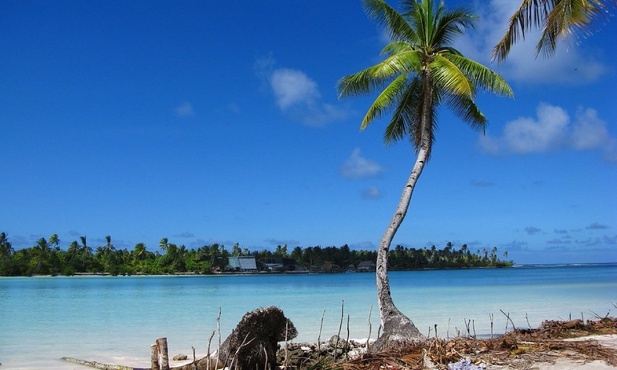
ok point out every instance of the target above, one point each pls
(219, 122)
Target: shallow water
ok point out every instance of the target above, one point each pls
(115, 319)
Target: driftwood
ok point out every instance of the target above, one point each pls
(99, 365)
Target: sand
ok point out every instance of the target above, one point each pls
(565, 361)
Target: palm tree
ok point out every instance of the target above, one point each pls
(42, 251)
(108, 247)
(85, 251)
(6, 250)
(420, 72)
(163, 244)
(557, 19)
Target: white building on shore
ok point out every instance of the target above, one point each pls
(242, 263)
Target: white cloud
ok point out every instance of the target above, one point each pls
(527, 135)
(297, 94)
(568, 66)
(184, 110)
(292, 87)
(358, 167)
(589, 131)
(552, 129)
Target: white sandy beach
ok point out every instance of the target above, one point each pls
(566, 361)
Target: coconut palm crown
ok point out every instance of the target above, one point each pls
(420, 72)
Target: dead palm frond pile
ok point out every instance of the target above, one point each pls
(517, 349)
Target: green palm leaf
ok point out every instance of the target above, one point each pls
(384, 101)
(398, 28)
(480, 75)
(450, 78)
(556, 18)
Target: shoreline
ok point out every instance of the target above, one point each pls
(555, 345)
(287, 273)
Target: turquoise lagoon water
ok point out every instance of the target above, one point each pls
(115, 319)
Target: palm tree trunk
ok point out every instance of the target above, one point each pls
(396, 326)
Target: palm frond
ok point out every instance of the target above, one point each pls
(467, 110)
(396, 47)
(395, 24)
(405, 118)
(531, 13)
(556, 18)
(384, 101)
(375, 77)
(452, 24)
(563, 19)
(480, 75)
(449, 77)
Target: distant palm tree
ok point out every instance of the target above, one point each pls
(6, 250)
(108, 247)
(163, 244)
(557, 19)
(421, 71)
(73, 250)
(42, 251)
(85, 252)
(139, 251)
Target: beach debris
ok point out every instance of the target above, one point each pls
(180, 357)
(254, 342)
(319, 355)
(159, 355)
(97, 365)
(465, 364)
(517, 349)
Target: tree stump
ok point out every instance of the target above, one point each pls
(252, 345)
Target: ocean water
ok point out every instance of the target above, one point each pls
(115, 319)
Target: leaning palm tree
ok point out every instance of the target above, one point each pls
(420, 72)
(557, 19)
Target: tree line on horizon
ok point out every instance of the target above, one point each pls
(46, 257)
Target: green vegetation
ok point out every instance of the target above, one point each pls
(46, 257)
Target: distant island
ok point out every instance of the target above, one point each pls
(46, 257)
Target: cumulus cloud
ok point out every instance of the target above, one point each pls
(552, 129)
(358, 167)
(184, 110)
(297, 94)
(292, 87)
(570, 65)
